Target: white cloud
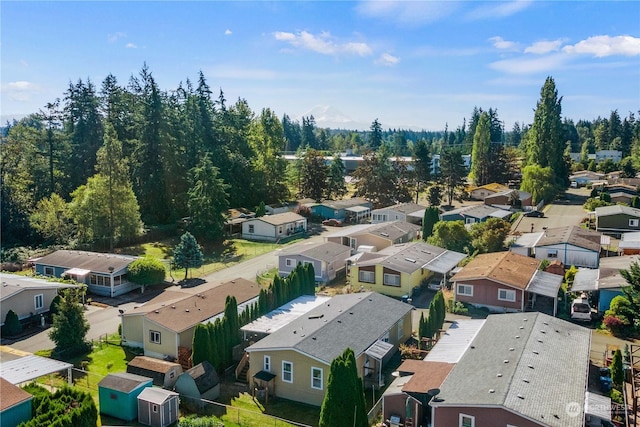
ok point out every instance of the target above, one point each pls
(387, 59)
(20, 90)
(529, 65)
(131, 46)
(407, 12)
(601, 46)
(543, 47)
(227, 32)
(114, 37)
(493, 10)
(323, 43)
(500, 43)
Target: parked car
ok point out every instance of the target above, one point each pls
(534, 214)
(580, 309)
(435, 284)
(332, 222)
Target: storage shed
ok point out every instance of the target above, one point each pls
(157, 407)
(199, 382)
(118, 394)
(163, 373)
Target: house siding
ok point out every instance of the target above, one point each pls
(168, 341)
(569, 255)
(120, 289)
(606, 296)
(16, 414)
(449, 417)
(618, 222)
(23, 303)
(407, 281)
(485, 293)
(118, 404)
(133, 330)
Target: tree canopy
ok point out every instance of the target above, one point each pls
(187, 254)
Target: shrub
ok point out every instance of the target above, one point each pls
(616, 396)
(146, 271)
(12, 325)
(199, 422)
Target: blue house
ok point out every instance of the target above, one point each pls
(104, 274)
(348, 210)
(118, 394)
(15, 404)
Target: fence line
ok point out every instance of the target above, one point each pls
(230, 408)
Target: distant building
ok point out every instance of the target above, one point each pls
(407, 212)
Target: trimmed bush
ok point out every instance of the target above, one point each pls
(12, 325)
(146, 271)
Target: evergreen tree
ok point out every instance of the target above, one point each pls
(434, 195)
(375, 137)
(480, 154)
(313, 182)
(453, 172)
(336, 187)
(617, 371)
(431, 217)
(69, 326)
(421, 164)
(12, 325)
(261, 210)
(200, 346)
(344, 403)
(187, 254)
(231, 317)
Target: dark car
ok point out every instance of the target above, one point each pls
(332, 222)
(534, 214)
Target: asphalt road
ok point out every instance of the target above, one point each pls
(565, 211)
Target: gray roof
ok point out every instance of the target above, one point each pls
(544, 283)
(586, 279)
(630, 240)
(606, 276)
(405, 208)
(284, 314)
(204, 375)
(571, 234)
(124, 382)
(616, 210)
(513, 363)
(478, 211)
(345, 203)
(29, 368)
(455, 341)
(522, 195)
(409, 257)
(326, 251)
(279, 219)
(156, 395)
(13, 284)
(352, 320)
(93, 261)
(390, 230)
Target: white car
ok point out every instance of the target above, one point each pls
(435, 284)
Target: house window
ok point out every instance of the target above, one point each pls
(266, 364)
(154, 337)
(391, 279)
(316, 378)
(506, 295)
(367, 276)
(467, 421)
(154, 408)
(38, 301)
(287, 371)
(251, 228)
(466, 290)
(552, 253)
(280, 230)
(48, 271)
(469, 220)
(290, 262)
(633, 222)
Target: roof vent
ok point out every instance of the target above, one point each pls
(545, 323)
(410, 260)
(156, 311)
(499, 375)
(521, 327)
(536, 352)
(384, 234)
(511, 348)
(540, 341)
(505, 361)
(530, 366)
(525, 319)
(520, 396)
(526, 380)
(173, 306)
(517, 336)
(187, 310)
(543, 332)
(491, 390)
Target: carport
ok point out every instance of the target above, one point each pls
(29, 368)
(547, 285)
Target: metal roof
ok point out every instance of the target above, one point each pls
(285, 314)
(29, 368)
(586, 279)
(156, 395)
(379, 349)
(544, 283)
(607, 276)
(444, 262)
(455, 341)
(597, 405)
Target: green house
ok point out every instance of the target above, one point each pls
(118, 394)
(15, 404)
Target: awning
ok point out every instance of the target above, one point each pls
(444, 262)
(358, 209)
(597, 406)
(544, 283)
(29, 368)
(586, 279)
(76, 272)
(379, 349)
(264, 376)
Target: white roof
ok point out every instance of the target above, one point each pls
(544, 283)
(629, 240)
(455, 341)
(29, 368)
(156, 395)
(597, 405)
(586, 279)
(284, 314)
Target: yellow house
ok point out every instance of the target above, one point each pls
(398, 269)
(293, 362)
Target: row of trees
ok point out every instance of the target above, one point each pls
(429, 326)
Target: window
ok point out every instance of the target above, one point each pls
(290, 262)
(506, 295)
(154, 408)
(251, 228)
(633, 222)
(280, 230)
(367, 276)
(469, 220)
(287, 371)
(266, 364)
(316, 378)
(467, 421)
(391, 279)
(48, 271)
(465, 290)
(552, 253)
(38, 301)
(154, 337)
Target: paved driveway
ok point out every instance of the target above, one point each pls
(562, 212)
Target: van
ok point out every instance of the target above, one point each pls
(580, 309)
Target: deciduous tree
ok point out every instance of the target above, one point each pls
(450, 235)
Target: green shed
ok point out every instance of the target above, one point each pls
(15, 404)
(118, 394)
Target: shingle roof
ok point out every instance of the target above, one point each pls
(572, 234)
(426, 375)
(279, 219)
(345, 203)
(389, 230)
(351, 320)
(326, 251)
(513, 363)
(92, 261)
(124, 382)
(405, 208)
(13, 284)
(478, 211)
(505, 267)
(152, 364)
(494, 186)
(409, 257)
(11, 395)
(204, 375)
(193, 309)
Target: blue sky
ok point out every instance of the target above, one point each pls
(410, 64)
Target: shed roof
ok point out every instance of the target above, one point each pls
(508, 365)
(617, 210)
(544, 283)
(11, 395)
(351, 320)
(405, 208)
(204, 375)
(606, 276)
(156, 395)
(478, 212)
(29, 368)
(505, 267)
(345, 203)
(124, 382)
(152, 364)
(85, 260)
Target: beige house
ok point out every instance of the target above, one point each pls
(165, 325)
(293, 362)
(376, 236)
(27, 296)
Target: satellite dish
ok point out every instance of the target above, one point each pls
(433, 392)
